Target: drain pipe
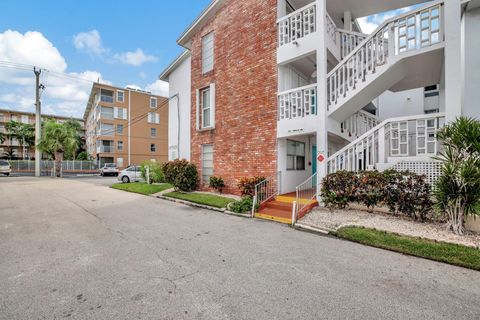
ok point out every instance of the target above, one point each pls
(294, 213)
(178, 121)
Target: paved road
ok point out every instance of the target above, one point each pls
(79, 250)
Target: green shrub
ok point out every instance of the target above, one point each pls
(338, 189)
(241, 206)
(181, 174)
(247, 185)
(370, 188)
(155, 169)
(217, 183)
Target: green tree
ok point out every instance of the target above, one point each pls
(77, 127)
(3, 137)
(23, 132)
(457, 190)
(57, 140)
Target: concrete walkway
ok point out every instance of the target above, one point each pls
(76, 249)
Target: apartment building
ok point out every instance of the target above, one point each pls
(292, 90)
(126, 126)
(11, 148)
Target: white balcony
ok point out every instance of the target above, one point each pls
(298, 103)
(105, 149)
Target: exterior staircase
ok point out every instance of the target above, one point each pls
(280, 208)
(405, 52)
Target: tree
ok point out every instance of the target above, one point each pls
(57, 140)
(3, 137)
(75, 125)
(457, 190)
(23, 132)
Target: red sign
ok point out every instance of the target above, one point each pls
(320, 157)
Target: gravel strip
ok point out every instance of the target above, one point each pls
(324, 219)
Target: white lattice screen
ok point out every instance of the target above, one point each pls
(430, 169)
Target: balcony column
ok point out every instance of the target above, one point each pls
(453, 61)
(322, 136)
(347, 20)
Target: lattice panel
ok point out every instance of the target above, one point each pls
(430, 169)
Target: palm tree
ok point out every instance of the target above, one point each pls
(2, 137)
(57, 140)
(23, 132)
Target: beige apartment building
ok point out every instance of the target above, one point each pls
(126, 126)
(11, 148)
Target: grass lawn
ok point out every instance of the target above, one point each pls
(142, 187)
(439, 251)
(200, 198)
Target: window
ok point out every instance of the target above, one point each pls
(153, 118)
(153, 147)
(153, 102)
(207, 162)
(120, 96)
(107, 129)
(295, 155)
(205, 107)
(1, 117)
(207, 53)
(153, 132)
(120, 113)
(106, 96)
(2, 128)
(14, 118)
(107, 113)
(120, 162)
(119, 128)
(24, 119)
(120, 145)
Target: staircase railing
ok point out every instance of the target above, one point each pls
(266, 190)
(306, 192)
(359, 123)
(349, 40)
(410, 31)
(298, 103)
(395, 138)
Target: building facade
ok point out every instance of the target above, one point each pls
(11, 147)
(293, 90)
(126, 126)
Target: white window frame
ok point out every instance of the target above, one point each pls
(153, 117)
(200, 111)
(153, 99)
(123, 96)
(296, 156)
(206, 177)
(117, 132)
(208, 52)
(153, 130)
(118, 145)
(24, 119)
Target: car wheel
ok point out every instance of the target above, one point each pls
(125, 179)
(7, 174)
(101, 174)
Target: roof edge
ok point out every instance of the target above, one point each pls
(173, 65)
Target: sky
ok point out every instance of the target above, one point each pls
(118, 42)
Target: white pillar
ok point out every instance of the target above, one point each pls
(322, 140)
(281, 8)
(347, 20)
(453, 60)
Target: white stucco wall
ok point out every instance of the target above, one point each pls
(471, 106)
(400, 104)
(180, 84)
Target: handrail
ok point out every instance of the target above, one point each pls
(353, 33)
(378, 30)
(295, 12)
(305, 192)
(310, 86)
(267, 189)
(384, 123)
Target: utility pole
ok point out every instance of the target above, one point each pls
(38, 128)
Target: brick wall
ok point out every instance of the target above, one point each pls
(245, 76)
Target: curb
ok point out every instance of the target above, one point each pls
(202, 206)
(305, 227)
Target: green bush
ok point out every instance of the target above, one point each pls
(241, 206)
(182, 174)
(402, 192)
(156, 172)
(338, 189)
(247, 185)
(217, 183)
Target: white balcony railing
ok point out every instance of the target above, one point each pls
(298, 103)
(399, 138)
(331, 29)
(297, 25)
(105, 149)
(407, 32)
(359, 123)
(349, 40)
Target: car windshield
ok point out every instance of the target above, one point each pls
(110, 165)
(4, 163)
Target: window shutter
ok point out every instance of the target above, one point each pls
(198, 108)
(124, 113)
(115, 112)
(212, 105)
(157, 118)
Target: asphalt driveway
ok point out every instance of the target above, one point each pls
(77, 249)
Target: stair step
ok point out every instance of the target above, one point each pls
(288, 199)
(276, 212)
(279, 205)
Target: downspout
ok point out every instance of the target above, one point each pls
(178, 121)
(129, 126)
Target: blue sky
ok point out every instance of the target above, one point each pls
(119, 42)
(123, 42)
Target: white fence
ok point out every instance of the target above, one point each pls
(48, 166)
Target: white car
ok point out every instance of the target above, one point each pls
(5, 167)
(131, 174)
(109, 169)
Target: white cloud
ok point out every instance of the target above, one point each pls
(159, 87)
(370, 23)
(90, 42)
(66, 93)
(135, 58)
